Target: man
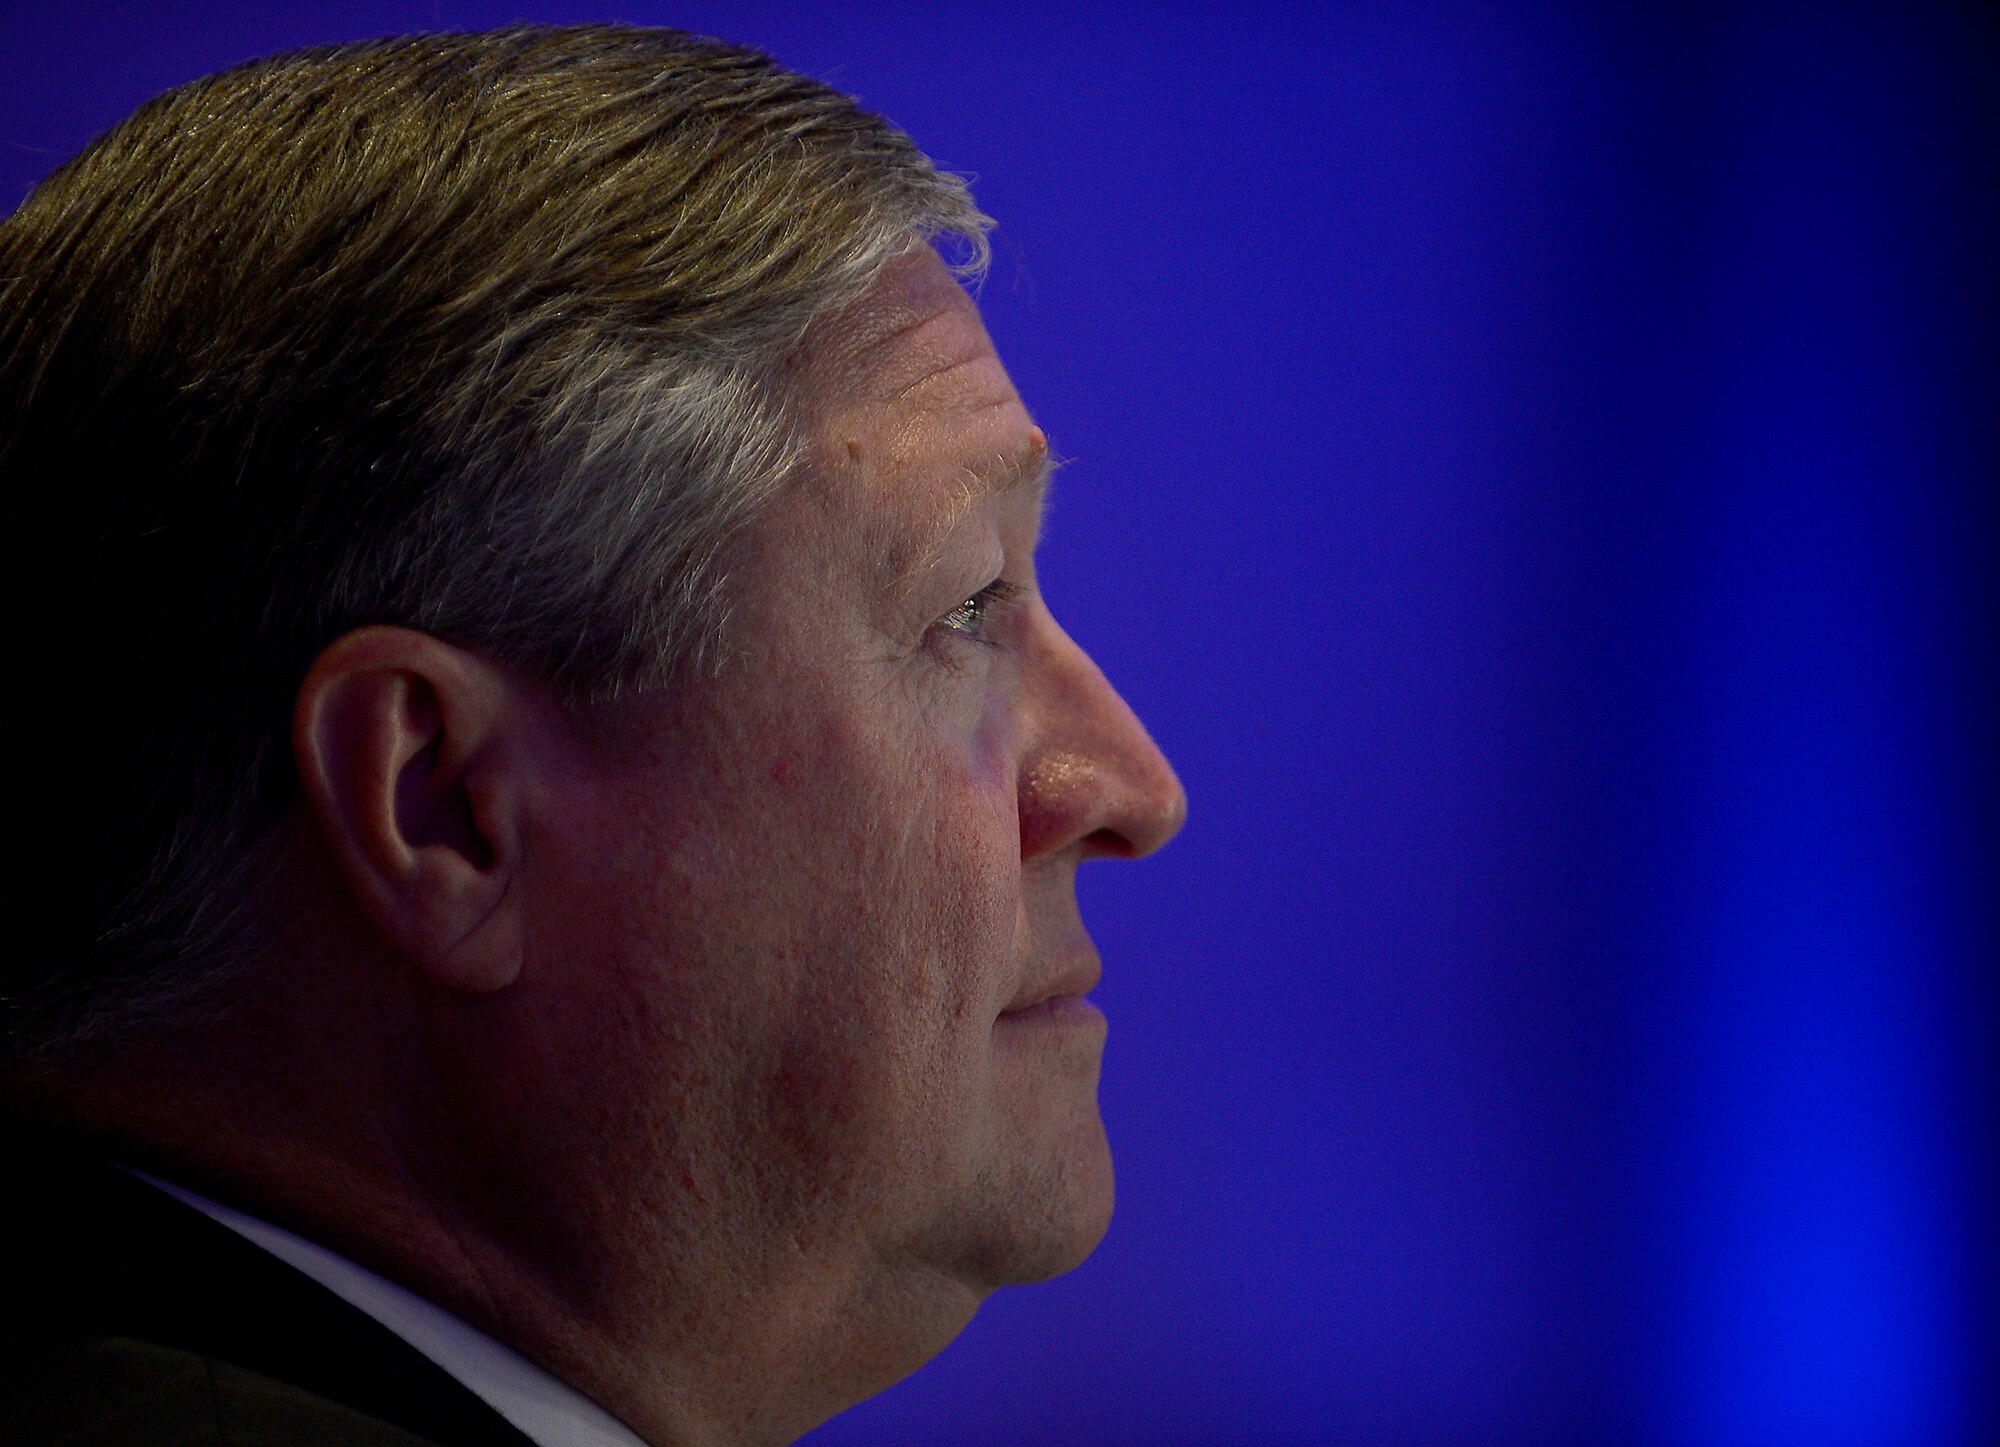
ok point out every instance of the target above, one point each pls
(554, 915)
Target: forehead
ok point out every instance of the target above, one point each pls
(914, 331)
(916, 420)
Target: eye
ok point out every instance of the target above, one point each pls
(970, 619)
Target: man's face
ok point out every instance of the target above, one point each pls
(815, 924)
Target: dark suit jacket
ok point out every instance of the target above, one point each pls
(131, 1318)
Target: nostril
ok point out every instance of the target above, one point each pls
(1108, 844)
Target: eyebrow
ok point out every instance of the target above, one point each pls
(1033, 472)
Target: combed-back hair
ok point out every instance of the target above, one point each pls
(479, 334)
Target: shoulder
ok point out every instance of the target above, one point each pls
(107, 1391)
(135, 1319)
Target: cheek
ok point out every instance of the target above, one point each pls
(769, 958)
(823, 929)
(901, 948)
(909, 873)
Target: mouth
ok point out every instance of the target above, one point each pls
(1060, 993)
(1053, 1009)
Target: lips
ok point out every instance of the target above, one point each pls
(1053, 990)
(1055, 1008)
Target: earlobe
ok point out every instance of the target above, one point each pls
(402, 747)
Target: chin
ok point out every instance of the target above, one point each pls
(1056, 1222)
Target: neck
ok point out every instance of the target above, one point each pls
(681, 1321)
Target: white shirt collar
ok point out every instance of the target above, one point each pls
(549, 1411)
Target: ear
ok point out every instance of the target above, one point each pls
(411, 755)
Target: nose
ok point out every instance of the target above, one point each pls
(1090, 774)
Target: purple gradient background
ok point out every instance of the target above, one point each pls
(1535, 474)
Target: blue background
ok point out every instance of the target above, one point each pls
(1535, 475)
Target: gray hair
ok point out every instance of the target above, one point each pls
(478, 334)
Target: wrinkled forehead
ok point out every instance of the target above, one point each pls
(913, 334)
(917, 421)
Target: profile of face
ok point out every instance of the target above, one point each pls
(803, 945)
